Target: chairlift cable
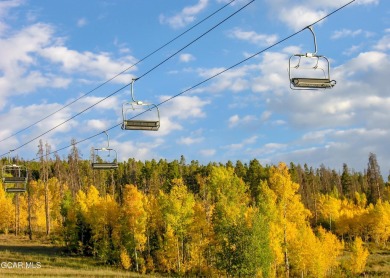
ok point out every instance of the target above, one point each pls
(208, 79)
(125, 86)
(120, 73)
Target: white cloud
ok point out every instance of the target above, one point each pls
(383, 44)
(208, 152)
(269, 149)
(138, 150)
(5, 6)
(81, 22)
(96, 124)
(236, 120)
(24, 49)
(298, 17)
(243, 144)
(345, 33)
(253, 37)
(234, 80)
(233, 120)
(185, 17)
(18, 118)
(189, 140)
(100, 65)
(329, 146)
(186, 57)
(178, 112)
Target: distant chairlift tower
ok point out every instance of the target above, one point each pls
(310, 71)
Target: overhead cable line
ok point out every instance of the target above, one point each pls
(120, 73)
(212, 77)
(125, 86)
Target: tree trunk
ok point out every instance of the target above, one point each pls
(178, 255)
(47, 213)
(136, 258)
(29, 215)
(16, 214)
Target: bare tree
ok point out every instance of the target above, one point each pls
(74, 173)
(44, 174)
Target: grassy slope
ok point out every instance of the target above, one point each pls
(53, 262)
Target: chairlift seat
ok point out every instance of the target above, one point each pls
(104, 158)
(104, 165)
(15, 189)
(9, 180)
(314, 83)
(140, 125)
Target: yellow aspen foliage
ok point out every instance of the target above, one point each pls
(167, 255)
(331, 248)
(358, 258)
(328, 208)
(23, 212)
(344, 217)
(81, 201)
(55, 198)
(361, 199)
(85, 201)
(178, 214)
(287, 215)
(7, 211)
(313, 255)
(134, 220)
(134, 215)
(37, 206)
(304, 252)
(125, 259)
(180, 210)
(268, 203)
(201, 234)
(380, 225)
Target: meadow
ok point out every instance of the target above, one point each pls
(21, 257)
(41, 258)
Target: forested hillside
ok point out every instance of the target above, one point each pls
(233, 219)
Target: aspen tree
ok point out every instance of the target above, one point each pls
(358, 258)
(133, 218)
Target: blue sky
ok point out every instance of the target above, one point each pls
(54, 52)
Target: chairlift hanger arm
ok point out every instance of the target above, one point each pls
(132, 91)
(310, 27)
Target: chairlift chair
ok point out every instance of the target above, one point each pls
(310, 71)
(145, 111)
(15, 178)
(104, 158)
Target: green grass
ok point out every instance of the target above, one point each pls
(52, 261)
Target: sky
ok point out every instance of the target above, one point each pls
(74, 61)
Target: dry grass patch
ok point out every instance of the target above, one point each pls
(20, 257)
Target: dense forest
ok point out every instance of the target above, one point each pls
(233, 219)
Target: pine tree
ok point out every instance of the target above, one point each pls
(374, 179)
